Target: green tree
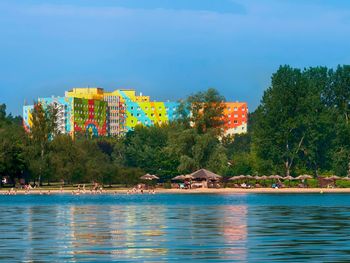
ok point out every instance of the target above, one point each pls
(204, 110)
(278, 130)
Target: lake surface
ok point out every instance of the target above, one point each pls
(176, 227)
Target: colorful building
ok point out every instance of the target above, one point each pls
(90, 116)
(236, 117)
(101, 113)
(74, 115)
(126, 109)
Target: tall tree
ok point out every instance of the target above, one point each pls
(204, 110)
(43, 129)
(278, 129)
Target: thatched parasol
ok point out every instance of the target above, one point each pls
(334, 177)
(304, 177)
(288, 178)
(346, 178)
(275, 177)
(205, 174)
(237, 177)
(149, 177)
(179, 177)
(183, 177)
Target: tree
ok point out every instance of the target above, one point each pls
(337, 98)
(278, 130)
(43, 129)
(317, 119)
(204, 110)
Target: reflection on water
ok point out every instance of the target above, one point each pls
(167, 229)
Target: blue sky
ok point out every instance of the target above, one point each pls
(165, 48)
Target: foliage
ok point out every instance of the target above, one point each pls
(302, 125)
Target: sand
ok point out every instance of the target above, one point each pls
(204, 191)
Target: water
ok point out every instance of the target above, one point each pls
(168, 228)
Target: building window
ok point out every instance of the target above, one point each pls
(160, 114)
(235, 109)
(236, 115)
(235, 121)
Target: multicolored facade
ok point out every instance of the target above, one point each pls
(90, 116)
(236, 117)
(101, 113)
(74, 115)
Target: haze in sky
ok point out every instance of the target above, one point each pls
(164, 48)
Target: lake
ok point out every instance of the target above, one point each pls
(176, 227)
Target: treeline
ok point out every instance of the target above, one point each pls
(301, 126)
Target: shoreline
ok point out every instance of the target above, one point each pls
(194, 191)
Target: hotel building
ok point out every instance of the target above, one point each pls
(102, 113)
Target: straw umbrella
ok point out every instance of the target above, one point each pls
(179, 178)
(149, 177)
(288, 178)
(346, 178)
(304, 177)
(205, 176)
(334, 177)
(275, 177)
(237, 177)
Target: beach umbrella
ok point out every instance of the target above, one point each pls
(149, 177)
(288, 178)
(205, 174)
(304, 177)
(237, 177)
(257, 177)
(179, 177)
(345, 178)
(183, 177)
(188, 177)
(334, 177)
(275, 177)
(263, 177)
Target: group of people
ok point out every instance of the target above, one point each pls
(81, 189)
(96, 189)
(139, 190)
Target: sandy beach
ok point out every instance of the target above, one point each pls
(201, 191)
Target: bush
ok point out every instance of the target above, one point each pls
(313, 183)
(342, 184)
